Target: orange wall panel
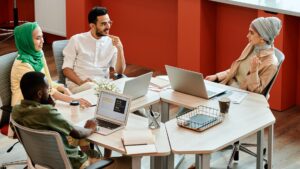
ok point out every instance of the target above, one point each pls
(232, 28)
(75, 17)
(189, 34)
(196, 35)
(208, 37)
(26, 10)
(147, 29)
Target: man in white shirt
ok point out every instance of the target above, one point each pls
(88, 56)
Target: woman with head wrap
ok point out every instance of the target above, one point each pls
(257, 64)
(29, 42)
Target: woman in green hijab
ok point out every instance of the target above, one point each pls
(29, 42)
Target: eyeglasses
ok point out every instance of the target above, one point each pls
(106, 23)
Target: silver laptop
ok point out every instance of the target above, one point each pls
(191, 83)
(138, 86)
(112, 112)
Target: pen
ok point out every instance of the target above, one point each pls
(93, 105)
(153, 117)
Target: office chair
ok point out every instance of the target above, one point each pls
(58, 47)
(6, 62)
(243, 146)
(46, 149)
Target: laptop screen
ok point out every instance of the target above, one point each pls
(112, 106)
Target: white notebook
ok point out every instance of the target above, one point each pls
(139, 141)
(158, 82)
(140, 149)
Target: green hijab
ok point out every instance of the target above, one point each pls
(25, 46)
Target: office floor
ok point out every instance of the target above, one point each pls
(287, 130)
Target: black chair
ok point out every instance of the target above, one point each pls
(237, 146)
(46, 149)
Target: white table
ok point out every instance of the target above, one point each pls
(113, 141)
(249, 117)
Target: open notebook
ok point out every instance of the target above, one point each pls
(138, 141)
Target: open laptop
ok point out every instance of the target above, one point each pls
(191, 83)
(137, 86)
(112, 112)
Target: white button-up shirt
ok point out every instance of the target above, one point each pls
(89, 57)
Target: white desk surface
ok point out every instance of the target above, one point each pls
(113, 141)
(240, 123)
(289, 7)
(243, 120)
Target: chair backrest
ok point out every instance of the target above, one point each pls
(280, 57)
(58, 47)
(45, 148)
(6, 62)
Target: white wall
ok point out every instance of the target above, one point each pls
(51, 16)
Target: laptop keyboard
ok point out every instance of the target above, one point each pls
(107, 124)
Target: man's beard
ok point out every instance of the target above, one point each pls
(100, 33)
(49, 100)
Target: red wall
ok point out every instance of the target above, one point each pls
(208, 39)
(298, 65)
(148, 30)
(75, 17)
(25, 9)
(196, 35)
(189, 34)
(231, 31)
(289, 82)
(4, 12)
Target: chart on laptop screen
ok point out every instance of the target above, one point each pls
(112, 106)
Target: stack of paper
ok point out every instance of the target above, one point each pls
(158, 82)
(138, 141)
(237, 97)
